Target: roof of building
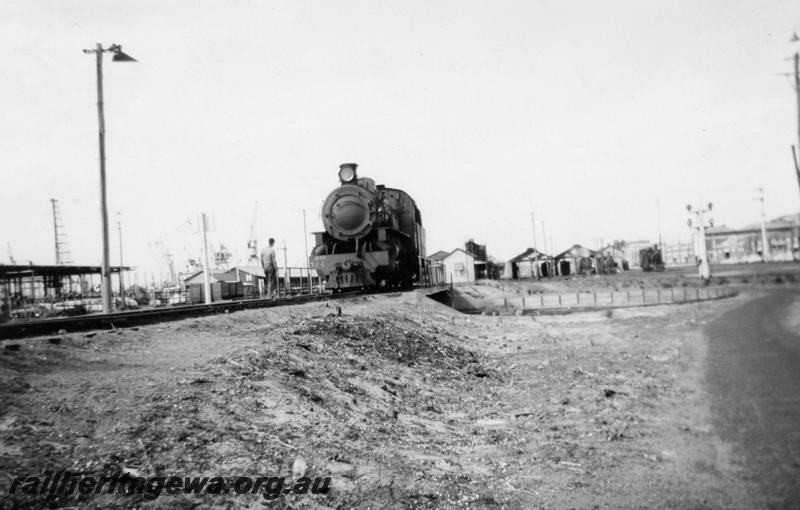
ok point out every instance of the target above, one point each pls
(441, 254)
(576, 251)
(214, 277)
(786, 221)
(20, 270)
(253, 270)
(530, 253)
(616, 245)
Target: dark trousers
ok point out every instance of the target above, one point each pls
(272, 281)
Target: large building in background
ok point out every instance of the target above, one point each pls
(732, 245)
(678, 254)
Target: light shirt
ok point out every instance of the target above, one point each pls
(268, 258)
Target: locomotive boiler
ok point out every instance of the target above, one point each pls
(373, 235)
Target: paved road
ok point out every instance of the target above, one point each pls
(754, 380)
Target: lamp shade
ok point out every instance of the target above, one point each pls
(120, 56)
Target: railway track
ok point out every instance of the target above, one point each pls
(52, 326)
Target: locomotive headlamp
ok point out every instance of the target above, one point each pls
(347, 172)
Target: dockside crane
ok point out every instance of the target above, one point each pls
(252, 242)
(167, 256)
(63, 255)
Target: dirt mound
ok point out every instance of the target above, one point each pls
(404, 342)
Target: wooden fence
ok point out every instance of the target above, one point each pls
(633, 297)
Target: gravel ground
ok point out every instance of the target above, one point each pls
(402, 407)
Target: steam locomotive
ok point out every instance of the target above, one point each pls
(650, 259)
(373, 235)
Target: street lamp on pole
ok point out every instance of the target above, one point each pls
(119, 56)
(700, 225)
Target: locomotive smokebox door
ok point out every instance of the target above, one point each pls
(349, 212)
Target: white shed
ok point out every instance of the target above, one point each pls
(459, 265)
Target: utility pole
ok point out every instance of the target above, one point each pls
(305, 238)
(660, 242)
(547, 257)
(206, 267)
(536, 272)
(797, 93)
(764, 241)
(308, 256)
(105, 277)
(119, 274)
(286, 280)
(119, 56)
(704, 268)
(795, 155)
(544, 236)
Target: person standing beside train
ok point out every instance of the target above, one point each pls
(270, 265)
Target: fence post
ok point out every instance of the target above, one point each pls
(559, 299)
(523, 301)
(658, 295)
(697, 293)
(628, 296)
(594, 294)
(541, 300)
(644, 296)
(671, 294)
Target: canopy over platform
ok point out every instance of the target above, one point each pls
(20, 270)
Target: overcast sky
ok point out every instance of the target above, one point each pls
(586, 113)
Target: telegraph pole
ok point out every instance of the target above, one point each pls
(544, 236)
(119, 56)
(536, 272)
(121, 282)
(795, 155)
(764, 242)
(660, 242)
(206, 268)
(305, 238)
(704, 268)
(286, 281)
(308, 255)
(797, 93)
(105, 283)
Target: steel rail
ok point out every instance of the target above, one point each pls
(52, 326)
